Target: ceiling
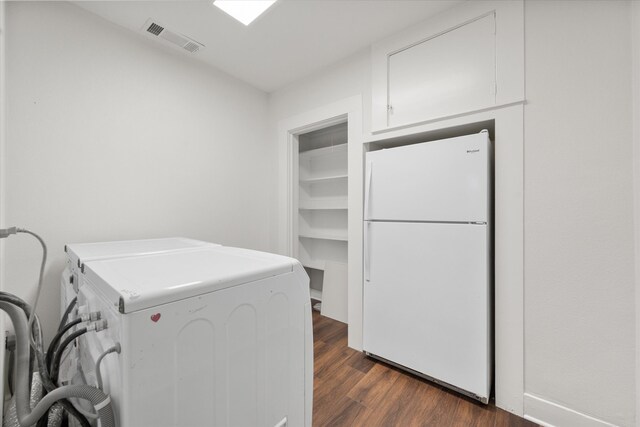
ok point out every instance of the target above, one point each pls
(293, 39)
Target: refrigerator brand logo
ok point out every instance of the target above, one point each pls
(477, 150)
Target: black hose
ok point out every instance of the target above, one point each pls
(44, 374)
(60, 350)
(44, 420)
(6, 296)
(56, 339)
(65, 316)
(10, 373)
(50, 386)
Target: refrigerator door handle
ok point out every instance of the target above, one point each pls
(367, 253)
(367, 189)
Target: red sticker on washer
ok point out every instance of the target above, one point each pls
(155, 317)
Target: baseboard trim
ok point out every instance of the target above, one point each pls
(549, 414)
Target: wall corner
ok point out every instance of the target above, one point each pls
(635, 73)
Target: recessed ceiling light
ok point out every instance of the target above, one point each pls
(244, 11)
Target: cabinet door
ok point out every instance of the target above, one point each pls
(451, 73)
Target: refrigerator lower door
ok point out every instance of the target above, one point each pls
(427, 301)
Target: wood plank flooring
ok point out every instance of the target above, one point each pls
(352, 390)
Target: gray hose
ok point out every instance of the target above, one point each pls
(40, 277)
(36, 390)
(37, 335)
(114, 349)
(56, 414)
(89, 415)
(10, 417)
(100, 401)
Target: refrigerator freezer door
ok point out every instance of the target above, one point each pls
(427, 301)
(446, 180)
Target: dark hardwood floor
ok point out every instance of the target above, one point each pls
(351, 389)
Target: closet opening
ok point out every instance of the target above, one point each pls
(321, 221)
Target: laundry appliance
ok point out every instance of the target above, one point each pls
(79, 253)
(208, 336)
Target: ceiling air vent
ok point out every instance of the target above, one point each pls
(179, 40)
(155, 29)
(191, 47)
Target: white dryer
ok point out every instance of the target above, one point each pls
(79, 253)
(209, 336)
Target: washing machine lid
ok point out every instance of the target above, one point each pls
(137, 283)
(79, 253)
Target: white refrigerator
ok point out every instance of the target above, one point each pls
(428, 264)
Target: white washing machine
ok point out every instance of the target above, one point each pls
(79, 253)
(209, 336)
(71, 279)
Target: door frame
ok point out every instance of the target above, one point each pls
(346, 110)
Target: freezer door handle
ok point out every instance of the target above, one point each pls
(367, 189)
(367, 252)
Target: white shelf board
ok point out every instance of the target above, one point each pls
(324, 235)
(315, 294)
(341, 203)
(307, 261)
(324, 179)
(317, 264)
(334, 149)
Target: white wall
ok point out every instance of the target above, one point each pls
(2, 145)
(579, 265)
(579, 283)
(349, 77)
(112, 137)
(635, 43)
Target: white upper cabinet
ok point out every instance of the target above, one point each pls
(445, 75)
(470, 58)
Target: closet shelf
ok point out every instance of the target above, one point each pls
(323, 204)
(323, 235)
(307, 261)
(324, 179)
(317, 264)
(315, 294)
(334, 149)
